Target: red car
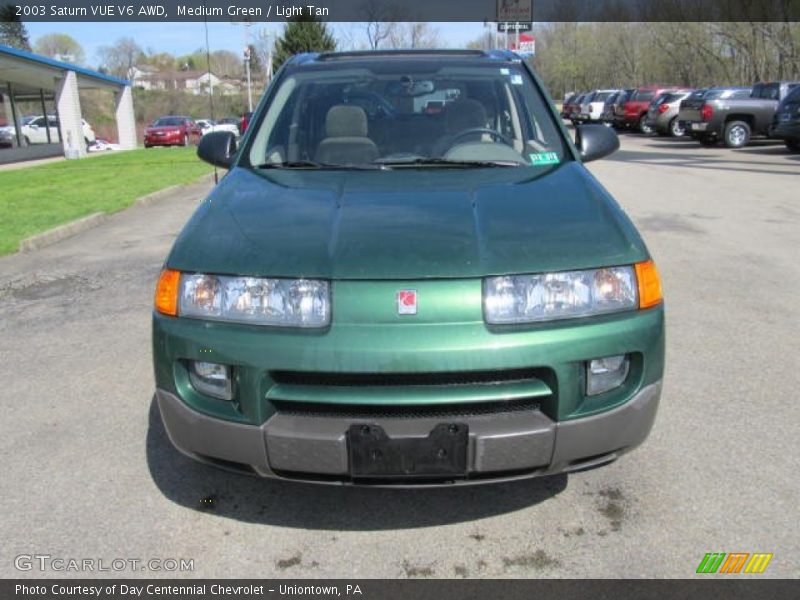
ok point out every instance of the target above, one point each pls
(635, 115)
(172, 131)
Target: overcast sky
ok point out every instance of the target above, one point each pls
(183, 38)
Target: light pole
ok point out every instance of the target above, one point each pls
(266, 36)
(249, 83)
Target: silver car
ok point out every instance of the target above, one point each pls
(662, 116)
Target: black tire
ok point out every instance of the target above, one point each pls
(675, 128)
(793, 145)
(736, 135)
(642, 126)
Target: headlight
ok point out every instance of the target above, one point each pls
(564, 295)
(261, 301)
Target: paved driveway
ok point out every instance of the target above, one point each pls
(88, 472)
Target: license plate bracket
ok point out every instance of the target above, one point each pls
(375, 455)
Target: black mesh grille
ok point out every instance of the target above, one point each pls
(350, 411)
(405, 379)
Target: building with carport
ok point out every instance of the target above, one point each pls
(40, 107)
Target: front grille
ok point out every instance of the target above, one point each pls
(438, 411)
(443, 378)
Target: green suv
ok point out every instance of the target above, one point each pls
(408, 277)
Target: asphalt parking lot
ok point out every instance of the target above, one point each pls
(89, 473)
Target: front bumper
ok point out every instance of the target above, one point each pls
(501, 446)
(164, 140)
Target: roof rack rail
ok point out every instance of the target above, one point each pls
(389, 53)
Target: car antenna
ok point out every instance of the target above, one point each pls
(210, 88)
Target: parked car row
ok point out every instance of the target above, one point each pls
(184, 131)
(732, 115)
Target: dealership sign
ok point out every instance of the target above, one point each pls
(511, 11)
(527, 45)
(514, 26)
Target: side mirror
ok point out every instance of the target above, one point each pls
(217, 148)
(595, 141)
(33, 126)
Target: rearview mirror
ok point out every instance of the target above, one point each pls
(410, 88)
(595, 141)
(217, 148)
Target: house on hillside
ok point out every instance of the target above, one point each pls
(194, 82)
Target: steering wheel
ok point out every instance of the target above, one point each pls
(493, 132)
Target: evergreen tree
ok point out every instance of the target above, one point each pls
(12, 30)
(302, 35)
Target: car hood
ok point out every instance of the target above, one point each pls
(406, 224)
(165, 128)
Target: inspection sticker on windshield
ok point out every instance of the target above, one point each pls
(544, 158)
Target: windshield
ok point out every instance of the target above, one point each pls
(168, 122)
(601, 96)
(385, 114)
(794, 95)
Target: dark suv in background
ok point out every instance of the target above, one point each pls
(786, 122)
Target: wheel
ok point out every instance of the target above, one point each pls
(644, 127)
(707, 140)
(793, 145)
(675, 128)
(185, 140)
(737, 134)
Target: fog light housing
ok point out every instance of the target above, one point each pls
(607, 373)
(211, 379)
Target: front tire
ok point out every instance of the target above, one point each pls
(737, 134)
(643, 125)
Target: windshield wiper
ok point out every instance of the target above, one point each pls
(310, 164)
(446, 162)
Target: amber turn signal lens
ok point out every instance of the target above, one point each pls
(166, 299)
(649, 284)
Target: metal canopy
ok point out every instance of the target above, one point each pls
(34, 72)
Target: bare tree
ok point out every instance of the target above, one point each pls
(380, 21)
(119, 58)
(413, 35)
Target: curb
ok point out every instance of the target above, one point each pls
(51, 236)
(159, 195)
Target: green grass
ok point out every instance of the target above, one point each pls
(38, 198)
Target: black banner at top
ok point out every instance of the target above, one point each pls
(402, 10)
